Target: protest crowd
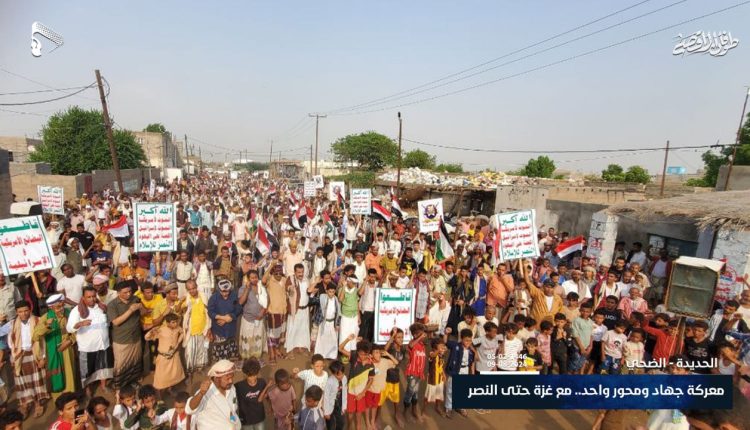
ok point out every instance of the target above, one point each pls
(261, 274)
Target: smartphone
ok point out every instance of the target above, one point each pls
(80, 412)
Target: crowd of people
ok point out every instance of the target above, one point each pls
(261, 275)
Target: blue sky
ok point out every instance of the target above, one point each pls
(237, 74)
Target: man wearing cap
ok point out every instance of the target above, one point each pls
(214, 405)
(51, 329)
(224, 309)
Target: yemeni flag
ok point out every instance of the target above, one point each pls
(395, 207)
(118, 228)
(301, 216)
(443, 250)
(379, 210)
(267, 232)
(271, 191)
(570, 246)
(262, 244)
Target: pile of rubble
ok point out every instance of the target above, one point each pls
(488, 179)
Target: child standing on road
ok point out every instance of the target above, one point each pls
(415, 370)
(612, 345)
(282, 396)
(460, 362)
(436, 375)
(334, 397)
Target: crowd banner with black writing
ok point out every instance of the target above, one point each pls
(24, 246)
(393, 308)
(154, 227)
(309, 189)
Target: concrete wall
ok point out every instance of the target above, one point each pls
(480, 202)
(6, 194)
(28, 168)
(735, 247)
(18, 147)
(740, 179)
(25, 185)
(573, 217)
(632, 230)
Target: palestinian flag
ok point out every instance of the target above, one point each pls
(379, 210)
(301, 216)
(340, 200)
(329, 224)
(443, 248)
(395, 207)
(118, 228)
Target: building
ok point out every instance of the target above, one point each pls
(708, 225)
(6, 195)
(287, 169)
(326, 168)
(18, 147)
(160, 151)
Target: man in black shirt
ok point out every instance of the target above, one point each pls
(408, 261)
(83, 236)
(698, 348)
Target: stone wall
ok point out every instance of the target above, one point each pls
(733, 245)
(25, 185)
(6, 194)
(18, 147)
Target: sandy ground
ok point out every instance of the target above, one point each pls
(506, 419)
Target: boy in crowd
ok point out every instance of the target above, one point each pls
(415, 370)
(460, 362)
(436, 376)
(612, 345)
(361, 375)
(310, 416)
(532, 360)
(486, 348)
(335, 396)
(251, 411)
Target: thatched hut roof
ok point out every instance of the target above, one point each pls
(730, 209)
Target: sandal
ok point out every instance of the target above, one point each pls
(463, 413)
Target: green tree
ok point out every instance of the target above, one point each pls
(253, 166)
(75, 141)
(540, 167)
(613, 173)
(637, 174)
(372, 151)
(156, 127)
(450, 167)
(712, 161)
(418, 158)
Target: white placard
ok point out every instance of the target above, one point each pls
(309, 189)
(52, 199)
(154, 227)
(24, 246)
(516, 235)
(334, 188)
(360, 201)
(319, 183)
(430, 212)
(393, 308)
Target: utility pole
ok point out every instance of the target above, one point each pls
(110, 137)
(398, 175)
(270, 155)
(200, 158)
(187, 158)
(311, 163)
(317, 123)
(736, 142)
(664, 170)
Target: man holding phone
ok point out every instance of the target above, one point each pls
(69, 416)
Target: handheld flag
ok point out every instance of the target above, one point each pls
(570, 246)
(443, 249)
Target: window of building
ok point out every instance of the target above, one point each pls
(10, 156)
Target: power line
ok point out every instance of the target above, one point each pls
(2, 69)
(495, 59)
(533, 54)
(40, 91)
(48, 100)
(568, 151)
(24, 113)
(548, 65)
